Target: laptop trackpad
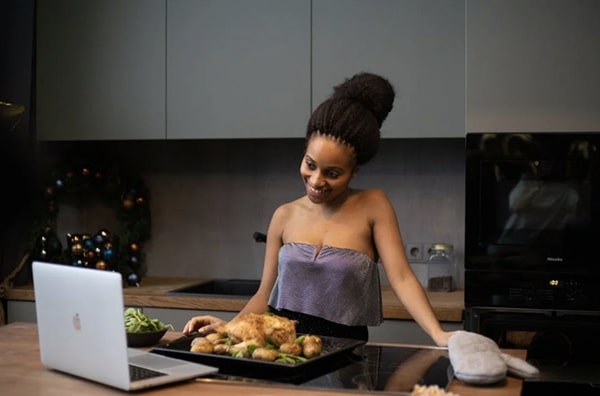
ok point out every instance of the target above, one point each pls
(153, 361)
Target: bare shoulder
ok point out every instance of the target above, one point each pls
(287, 209)
(372, 196)
(376, 205)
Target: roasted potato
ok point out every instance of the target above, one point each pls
(201, 345)
(221, 349)
(291, 348)
(311, 346)
(268, 354)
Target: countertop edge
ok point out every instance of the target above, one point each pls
(447, 306)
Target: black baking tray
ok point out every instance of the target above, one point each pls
(337, 352)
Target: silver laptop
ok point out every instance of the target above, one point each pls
(82, 330)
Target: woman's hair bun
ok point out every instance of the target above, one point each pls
(370, 90)
(354, 113)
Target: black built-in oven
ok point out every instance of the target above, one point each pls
(532, 243)
(533, 220)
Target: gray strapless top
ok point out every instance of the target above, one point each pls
(340, 285)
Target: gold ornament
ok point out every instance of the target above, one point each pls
(77, 249)
(128, 203)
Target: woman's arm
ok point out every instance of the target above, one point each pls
(406, 286)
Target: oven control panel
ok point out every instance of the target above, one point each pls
(538, 290)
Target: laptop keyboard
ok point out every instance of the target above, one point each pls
(137, 373)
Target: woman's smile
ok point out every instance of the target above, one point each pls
(316, 192)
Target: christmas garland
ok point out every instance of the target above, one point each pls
(120, 250)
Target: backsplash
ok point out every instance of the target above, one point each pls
(208, 197)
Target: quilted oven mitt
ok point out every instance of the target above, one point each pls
(477, 359)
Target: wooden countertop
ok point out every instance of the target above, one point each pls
(21, 373)
(448, 307)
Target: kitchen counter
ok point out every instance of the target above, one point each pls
(448, 306)
(21, 373)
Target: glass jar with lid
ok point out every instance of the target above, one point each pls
(440, 268)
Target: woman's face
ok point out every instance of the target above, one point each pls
(327, 168)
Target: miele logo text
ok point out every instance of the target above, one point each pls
(557, 259)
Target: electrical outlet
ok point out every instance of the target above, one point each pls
(414, 252)
(426, 250)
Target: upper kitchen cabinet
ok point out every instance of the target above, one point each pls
(533, 65)
(237, 68)
(100, 69)
(418, 45)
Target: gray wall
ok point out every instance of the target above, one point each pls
(209, 197)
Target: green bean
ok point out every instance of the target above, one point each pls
(138, 322)
(289, 359)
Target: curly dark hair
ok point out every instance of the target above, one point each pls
(354, 113)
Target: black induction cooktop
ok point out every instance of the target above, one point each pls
(388, 368)
(370, 367)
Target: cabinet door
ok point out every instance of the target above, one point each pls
(418, 45)
(533, 65)
(100, 69)
(237, 68)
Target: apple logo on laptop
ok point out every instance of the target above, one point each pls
(76, 322)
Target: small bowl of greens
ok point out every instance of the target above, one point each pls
(143, 330)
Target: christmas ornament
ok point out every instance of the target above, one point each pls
(133, 279)
(116, 250)
(48, 245)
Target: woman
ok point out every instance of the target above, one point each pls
(320, 265)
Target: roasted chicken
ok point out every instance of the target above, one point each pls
(260, 329)
(260, 336)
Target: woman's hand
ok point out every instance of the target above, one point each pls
(203, 324)
(441, 338)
